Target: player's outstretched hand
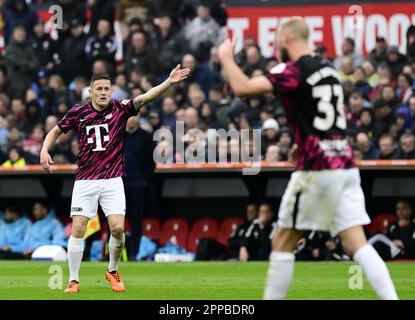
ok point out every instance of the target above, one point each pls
(179, 74)
(45, 160)
(227, 49)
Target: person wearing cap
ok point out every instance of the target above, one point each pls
(396, 61)
(378, 54)
(73, 59)
(46, 49)
(270, 129)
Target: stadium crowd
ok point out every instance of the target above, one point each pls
(43, 75)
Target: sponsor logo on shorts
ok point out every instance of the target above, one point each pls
(76, 209)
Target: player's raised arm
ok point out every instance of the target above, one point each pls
(241, 85)
(176, 75)
(45, 158)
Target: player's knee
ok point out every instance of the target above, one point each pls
(117, 231)
(78, 230)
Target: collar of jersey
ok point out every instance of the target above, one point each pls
(102, 111)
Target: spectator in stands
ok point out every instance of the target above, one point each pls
(102, 46)
(202, 33)
(18, 13)
(407, 147)
(15, 158)
(248, 41)
(369, 152)
(356, 106)
(235, 240)
(378, 55)
(396, 61)
(254, 60)
(5, 86)
(45, 230)
(366, 122)
(256, 244)
(384, 114)
(388, 94)
(14, 234)
(168, 42)
(200, 73)
(348, 50)
(401, 123)
(139, 56)
(101, 10)
(386, 148)
(371, 76)
(285, 142)
(33, 144)
(139, 184)
(361, 85)
(46, 49)
(346, 69)
(72, 53)
(270, 129)
(22, 61)
(14, 139)
(398, 243)
(410, 44)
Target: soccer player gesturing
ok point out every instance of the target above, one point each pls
(100, 126)
(324, 193)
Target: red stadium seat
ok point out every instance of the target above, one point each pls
(228, 226)
(151, 228)
(204, 228)
(381, 223)
(177, 227)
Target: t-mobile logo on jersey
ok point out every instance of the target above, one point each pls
(98, 136)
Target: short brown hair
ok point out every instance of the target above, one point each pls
(99, 76)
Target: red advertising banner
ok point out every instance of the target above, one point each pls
(329, 24)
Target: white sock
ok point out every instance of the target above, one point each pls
(280, 273)
(115, 248)
(75, 252)
(376, 272)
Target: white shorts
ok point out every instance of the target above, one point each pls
(86, 195)
(327, 200)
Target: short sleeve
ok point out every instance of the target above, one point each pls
(128, 106)
(68, 121)
(285, 77)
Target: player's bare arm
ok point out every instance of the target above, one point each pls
(176, 75)
(45, 158)
(241, 85)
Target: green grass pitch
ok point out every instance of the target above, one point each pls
(193, 281)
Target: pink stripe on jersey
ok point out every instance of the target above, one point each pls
(100, 138)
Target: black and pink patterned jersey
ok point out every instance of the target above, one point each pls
(100, 138)
(312, 96)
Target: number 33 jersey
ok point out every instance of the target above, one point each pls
(313, 100)
(100, 138)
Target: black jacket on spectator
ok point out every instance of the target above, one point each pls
(396, 67)
(73, 58)
(101, 49)
(46, 49)
(235, 240)
(406, 235)
(257, 241)
(170, 49)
